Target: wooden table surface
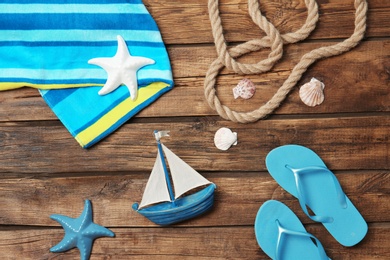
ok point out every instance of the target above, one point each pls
(44, 171)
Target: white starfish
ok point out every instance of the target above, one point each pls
(121, 69)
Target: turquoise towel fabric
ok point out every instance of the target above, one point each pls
(47, 44)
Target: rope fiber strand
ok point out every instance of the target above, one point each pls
(275, 41)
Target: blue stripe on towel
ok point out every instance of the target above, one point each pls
(72, 57)
(94, 37)
(72, 8)
(77, 21)
(47, 44)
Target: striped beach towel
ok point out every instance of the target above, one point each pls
(51, 45)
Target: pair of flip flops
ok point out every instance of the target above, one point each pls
(301, 172)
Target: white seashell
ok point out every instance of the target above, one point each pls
(312, 93)
(224, 138)
(244, 89)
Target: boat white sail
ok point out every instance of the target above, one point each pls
(184, 177)
(165, 201)
(156, 189)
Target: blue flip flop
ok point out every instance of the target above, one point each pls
(301, 172)
(281, 234)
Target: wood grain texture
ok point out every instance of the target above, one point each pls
(353, 143)
(44, 171)
(179, 243)
(187, 22)
(238, 198)
(362, 85)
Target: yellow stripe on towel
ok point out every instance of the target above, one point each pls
(118, 112)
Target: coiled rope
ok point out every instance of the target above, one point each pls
(275, 41)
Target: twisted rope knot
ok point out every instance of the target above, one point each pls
(275, 41)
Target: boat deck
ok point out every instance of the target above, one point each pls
(44, 171)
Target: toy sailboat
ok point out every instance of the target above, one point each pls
(163, 206)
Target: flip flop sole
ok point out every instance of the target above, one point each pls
(348, 226)
(267, 232)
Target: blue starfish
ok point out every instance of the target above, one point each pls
(79, 232)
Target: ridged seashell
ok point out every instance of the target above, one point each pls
(224, 138)
(312, 93)
(244, 89)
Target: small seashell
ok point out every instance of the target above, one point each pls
(244, 89)
(312, 93)
(224, 138)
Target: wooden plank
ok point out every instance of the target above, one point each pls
(179, 243)
(353, 143)
(187, 22)
(361, 85)
(30, 201)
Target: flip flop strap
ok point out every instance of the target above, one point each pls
(301, 195)
(283, 232)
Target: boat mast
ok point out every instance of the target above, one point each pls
(158, 135)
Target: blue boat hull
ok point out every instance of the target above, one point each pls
(188, 207)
